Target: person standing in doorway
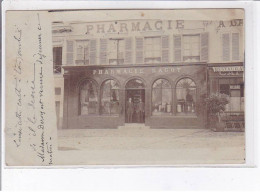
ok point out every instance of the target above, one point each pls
(129, 110)
(140, 111)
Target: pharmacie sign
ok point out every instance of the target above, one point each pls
(134, 71)
(125, 26)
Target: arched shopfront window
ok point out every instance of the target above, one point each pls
(110, 98)
(88, 98)
(186, 96)
(161, 97)
(135, 84)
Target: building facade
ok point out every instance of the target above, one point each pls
(155, 72)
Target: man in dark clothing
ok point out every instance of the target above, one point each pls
(140, 111)
(129, 110)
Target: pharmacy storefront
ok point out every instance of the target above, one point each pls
(162, 96)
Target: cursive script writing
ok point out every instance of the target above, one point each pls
(17, 74)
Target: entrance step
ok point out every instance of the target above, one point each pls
(129, 126)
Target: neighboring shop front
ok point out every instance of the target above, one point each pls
(229, 79)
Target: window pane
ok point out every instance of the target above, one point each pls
(156, 101)
(82, 55)
(88, 98)
(116, 50)
(152, 48)
(186, 97)
(167, 100)
(195, 50)
(161, 97)
(191, 48)
(110, 97)
(235, 93)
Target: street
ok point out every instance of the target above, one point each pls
(144, 146)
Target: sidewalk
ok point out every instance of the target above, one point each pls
(150, 146)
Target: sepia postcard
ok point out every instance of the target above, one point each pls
(125, 87)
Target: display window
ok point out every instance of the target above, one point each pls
(235, 94)
(186, 97)
(161, 97)
(110, 98)
(88, 98)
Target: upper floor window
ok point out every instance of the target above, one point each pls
(82, 57)
(191, 48)
(81, 52)
(230, 46)
(152, 49)
(116, 52)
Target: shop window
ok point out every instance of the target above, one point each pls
(82, 57)
(186, 97)
(57, 59)
(110, 98)
(191, 48)
(152, 49)
(236, 96)
(161, 97)
(116, 51)
(88, 98)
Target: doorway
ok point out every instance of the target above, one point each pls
(135, 91)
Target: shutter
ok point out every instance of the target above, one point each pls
(70, 45)
(139, 50)
(226, 47)
(165, 49)
(177, 48)
(93, 51)
(235, 46)
(103, 51)
(128, 50)
(204, 47)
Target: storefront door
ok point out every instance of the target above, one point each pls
(135, 110)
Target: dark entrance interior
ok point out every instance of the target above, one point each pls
(136, 92)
